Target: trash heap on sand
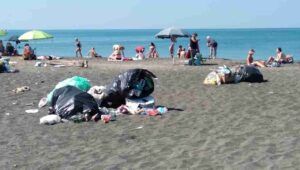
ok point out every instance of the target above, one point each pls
(226, 75)
(6, 66)
(75, 100)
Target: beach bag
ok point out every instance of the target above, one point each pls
(69, 101)
(250, 74)
(76, 81)
(132, 84)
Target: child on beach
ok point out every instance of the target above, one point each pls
(180, 48)
(182, 53)
(250, 60)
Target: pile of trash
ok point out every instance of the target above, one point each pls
(75, 100)
(6, 66)
(226, 75)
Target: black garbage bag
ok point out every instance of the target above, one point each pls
(250, 74)
(69, 101)
(132, 84)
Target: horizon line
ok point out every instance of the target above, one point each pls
(226, 28)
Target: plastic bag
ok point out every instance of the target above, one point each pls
(132, 84)
(68, 101)
(250, 74)
(212, 79)
(79, 82)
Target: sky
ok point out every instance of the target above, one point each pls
(147, 14)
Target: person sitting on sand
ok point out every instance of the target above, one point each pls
(153, 53)
(180, 48)
(183, 53)
(92, 53)
(2, 48)
(10, 50)
(28, 53)
(280, 58)
(250, 60)
(139, 53)
(118, 53)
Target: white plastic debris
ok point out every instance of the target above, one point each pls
(50, 120)
(32, 111)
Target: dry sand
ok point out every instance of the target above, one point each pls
(236, 126)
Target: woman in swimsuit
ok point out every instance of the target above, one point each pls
(153, 53)
(250, 60)
(78, 47)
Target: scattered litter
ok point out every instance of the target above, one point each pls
(38, 64)
(162, 110)
(140, 127)
(105, 118)
(59, 66)
(21, 89)
(43, 102)
(13, 62)
(32, 111)
(29, 104)
(50, 120)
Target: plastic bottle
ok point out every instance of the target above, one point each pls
(77, 118)
(162, 110)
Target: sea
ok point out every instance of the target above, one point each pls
(232, 43)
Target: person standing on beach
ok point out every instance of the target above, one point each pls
(172, 46)
(78, 47)
(194, 46)
(213, 45)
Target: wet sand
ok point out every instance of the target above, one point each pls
(236, 126)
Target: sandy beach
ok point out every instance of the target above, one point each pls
(234, 126)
